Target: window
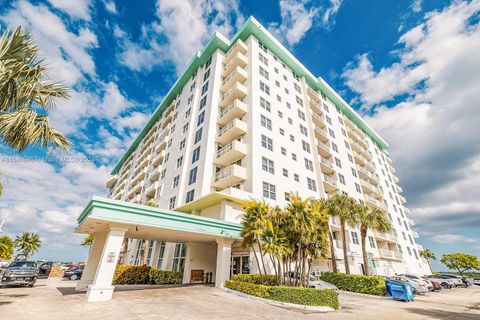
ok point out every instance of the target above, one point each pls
(347, 145)
(299, 101)
(338, 162)
(354, 237)
(334, 147)
(306, 146)
(282, 132)
(190, 195)
(190, 99)
(280, 114)
(311, 184)
(372, 242)
(294, 157)
(301, 115)
(262, 46)
(277, 83)
(287, 196)
(179, 162)
(265, 122)
(399, 247)
(198, 135)
(185, 128)
(285, 172)
(195, 154)
(160, 255)
(179, 257)
(328, 119)
(201, 118)
(192, 87)
(162, 175)
(303, 130)
(263, 59)
(269, 191)
(187, 113)
(332, 134)
(290, 121)
(308, 164)
(267, 143)
(203, 102)
(205, 88)
(357, 187)
(354, 172)
(265, 88)
(341, 178)
(279, 99)
(192, 178)
(206, 75)
(296, 177)
(284, 151)
(208, 63)
(182, 144)
(264, 73)
(172, 202)
(265, 104)
(350, 158)
(292, 138)
(408, 250)
(415, 253)
(167, 156)
(268, 165)
(176, 181)
(297, 88)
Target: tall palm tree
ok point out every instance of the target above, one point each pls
(344, 207)
(428, 254)
(331, 213)
(27, 244)
(371, 219)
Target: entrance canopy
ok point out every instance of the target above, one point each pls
(144, 222)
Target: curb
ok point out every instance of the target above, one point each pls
(279, 303)
(365, 295)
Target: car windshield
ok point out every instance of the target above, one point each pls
(23, 264)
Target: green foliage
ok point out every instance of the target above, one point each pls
(461, 262)
(265, 279)
(373, 285)
(27, 244)
(151, 203)
(88, 241)
(158, 276)
(296, 295)
(6, 248)
(127, 274)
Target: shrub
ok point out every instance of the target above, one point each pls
(373, 285)
(268, 280)
(303, 296)
(158, 276)
(127, 274)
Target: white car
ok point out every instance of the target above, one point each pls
(313, 282)
(419, 279)
(476, 281)
(457, 281)
(418, 287)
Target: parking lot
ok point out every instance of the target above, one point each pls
(56, 299)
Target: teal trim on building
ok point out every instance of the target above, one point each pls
(135, 214)
(217, 41)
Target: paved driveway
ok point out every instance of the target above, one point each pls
(55, 299)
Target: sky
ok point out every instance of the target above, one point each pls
(410, 68)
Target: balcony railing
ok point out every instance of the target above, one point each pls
(390, 254)
(385, 236)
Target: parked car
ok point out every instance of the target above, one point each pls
(19, 273)
(444, 282)
(73, 274)
(419, 279)
(476, 281)
(313, 282)
(437, 286)
(44, 269)
(457, 281)
(4, 264)
(418, 287)
(66, 266)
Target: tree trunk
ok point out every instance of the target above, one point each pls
(363, 234)
(345, 254)
(274, 266)
(144, 256)
(256, 259)
(279, 267)
(261, 254)
(332, 253)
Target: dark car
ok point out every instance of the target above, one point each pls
(44, 269)
(73, 274)
(20, 273)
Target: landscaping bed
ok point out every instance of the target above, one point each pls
(128, 274)
(373, 285)
(264, 287)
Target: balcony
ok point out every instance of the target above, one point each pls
(164, 133)
(236, 91)
(143, 162)
(369, 188)
(410, 222)
(373, 178)
(229, 176)
(235, 110)
(136, 189)
(330, 183)
(161, 145)
(406, 210)
(238, 74)
(140, 175)
(158, 159)
(316, 107)
(375, 203)
(402, 199)
(231, 131)
(335, 223)
(415, 234)
(321, 134)
(237, 59)
(239, 46)
(399, 189)
(323, 149)
(230, 153)
(390, 254)
(326, 165)
(395, 178)
(359, 158)
(385, 237)
(313, 95)
(318, 119)
(111, 182)
(155, 174)
(152, 189)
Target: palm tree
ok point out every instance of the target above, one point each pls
(371, 219)
(27, 244)
(88, 241)
(344, 207)
(428, 254)
(6, 248)
(331, 213)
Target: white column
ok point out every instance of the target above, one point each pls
(102, 289)
(187, 269)
(92, 261)
(224, 254)
(155, 253)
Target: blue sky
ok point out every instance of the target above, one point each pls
(409, 67)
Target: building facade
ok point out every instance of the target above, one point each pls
(248, 120)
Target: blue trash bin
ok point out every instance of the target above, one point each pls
(399, 290)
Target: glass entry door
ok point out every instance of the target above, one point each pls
(239, 265)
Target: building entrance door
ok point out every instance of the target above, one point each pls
(239, 265)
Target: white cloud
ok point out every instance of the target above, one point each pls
(453, 238)
(331, 11)
(416, 5)
(433, 133)
(181, 29)
(111, 7)
(75, 8)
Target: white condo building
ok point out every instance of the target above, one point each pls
(248, 120)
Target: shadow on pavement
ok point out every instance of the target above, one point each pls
(134, 287)
(66, 291)
(5, 302)
(443, 314)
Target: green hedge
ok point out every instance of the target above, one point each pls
(303, 296)
(268, 280)
(128, 274)
(165, 277)
(373, 285)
